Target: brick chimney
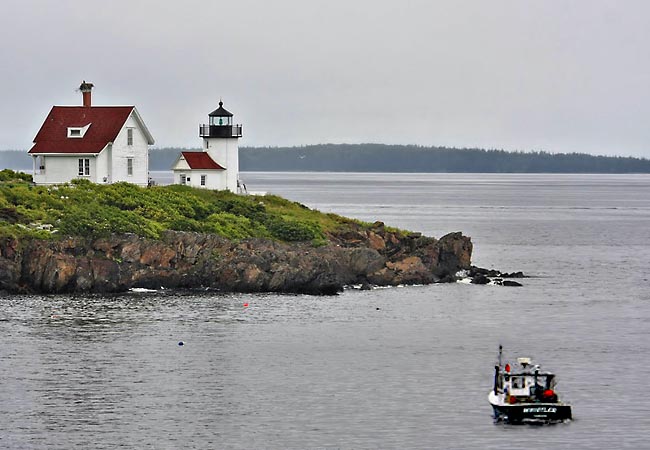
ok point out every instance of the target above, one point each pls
(85, 89)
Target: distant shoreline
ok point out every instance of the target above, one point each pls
(381, 158)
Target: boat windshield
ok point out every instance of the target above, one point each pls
(530, 382)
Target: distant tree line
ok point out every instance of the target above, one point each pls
(411, 158)
(393, 158)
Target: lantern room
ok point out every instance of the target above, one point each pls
(220, 116)
(220, 125)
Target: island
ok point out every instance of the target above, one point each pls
(85, 237)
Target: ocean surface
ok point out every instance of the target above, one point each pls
(406, 367)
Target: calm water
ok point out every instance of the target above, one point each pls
(336, 372)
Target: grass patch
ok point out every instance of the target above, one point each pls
(81, 208)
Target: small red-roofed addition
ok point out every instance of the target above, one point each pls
(201, 160)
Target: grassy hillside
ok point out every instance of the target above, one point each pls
(82, 208)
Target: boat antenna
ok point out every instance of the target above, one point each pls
(500, 352)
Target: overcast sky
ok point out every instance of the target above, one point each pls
(560, 76)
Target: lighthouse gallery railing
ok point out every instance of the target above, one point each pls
(220, 131)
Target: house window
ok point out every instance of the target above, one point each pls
(129, 136)
(203, 180)
(84, 167)
(129, 166)
(183, 179)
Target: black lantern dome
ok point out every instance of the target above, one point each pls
(220, 124)
(220, 111)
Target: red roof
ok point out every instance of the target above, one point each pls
(200, 160)
(106, 122)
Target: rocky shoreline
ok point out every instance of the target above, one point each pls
(367, 257)
(374, 257)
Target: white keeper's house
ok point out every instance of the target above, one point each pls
(217, 165)
(104, 144)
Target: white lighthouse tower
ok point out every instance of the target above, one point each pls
(221, 142)
(217, 166)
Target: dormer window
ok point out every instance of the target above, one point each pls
(77, 132)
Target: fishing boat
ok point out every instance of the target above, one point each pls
(523, 393)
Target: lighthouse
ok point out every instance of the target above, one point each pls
(221, 142)
(217, 165)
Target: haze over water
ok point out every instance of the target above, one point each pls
(389, 368)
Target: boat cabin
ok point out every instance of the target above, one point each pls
(524, 384)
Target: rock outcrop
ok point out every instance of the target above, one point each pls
(478, 275)
(191, 260)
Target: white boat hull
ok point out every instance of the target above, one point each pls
(537, 412)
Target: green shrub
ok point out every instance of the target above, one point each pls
(184, 224)
(234, 227)
(100, 220)
(9, 175)
(290, 231)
